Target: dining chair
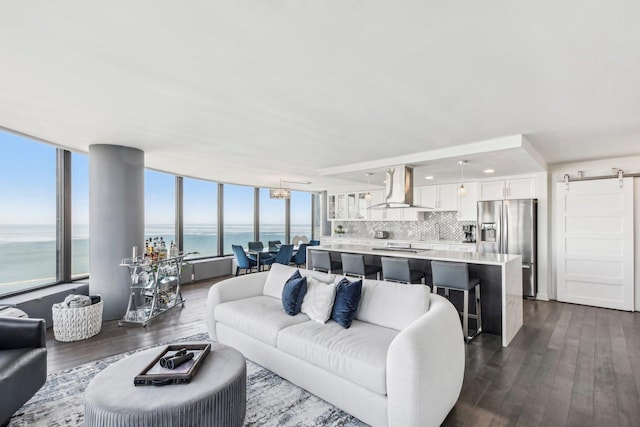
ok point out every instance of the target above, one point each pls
(243, 261)
(282, 257)
(300, 258)
(256, 246)
(274, 245)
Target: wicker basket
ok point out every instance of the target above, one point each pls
(74, 324)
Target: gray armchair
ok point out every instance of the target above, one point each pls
(23, 362)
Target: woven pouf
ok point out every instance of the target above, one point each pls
(216, 396)
(74, 324)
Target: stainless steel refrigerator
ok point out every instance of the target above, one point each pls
(510, 227)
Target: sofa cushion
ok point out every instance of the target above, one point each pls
(346, 302)
(318, 301)
(392, 305)
(358, 354)
(260, 317)
(277, 277)
(293, 294)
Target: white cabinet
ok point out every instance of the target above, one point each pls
(511, 188)
(439, 197)
(348, 206)
(376, 214)
(468, 204)
(447, 197)
(521, 188)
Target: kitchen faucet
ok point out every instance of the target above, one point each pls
(437, 227)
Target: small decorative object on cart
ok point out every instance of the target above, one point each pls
(177, 364)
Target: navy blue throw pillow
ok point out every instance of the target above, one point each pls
(293, 294)
(346, 303)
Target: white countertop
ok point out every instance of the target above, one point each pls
(437, 255)
(379, 241)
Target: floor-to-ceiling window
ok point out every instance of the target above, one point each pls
(238, 216)
(272, 218)
(200, 213)
(28, 214)
(29, 218)
(159, 206)
(300, 215)
(79, 215)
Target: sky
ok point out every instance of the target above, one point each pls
(28, 192)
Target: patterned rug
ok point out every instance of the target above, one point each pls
(271, 400)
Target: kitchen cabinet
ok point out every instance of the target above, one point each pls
(439, 197)
(347, 206)
(468, 204)
(375, 214)
(511, 188)
(337, 206)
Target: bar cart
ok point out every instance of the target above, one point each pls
(155, 288)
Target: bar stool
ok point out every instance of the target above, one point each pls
(455, 275)
(321, 260)
(354, 265)
(397, 270)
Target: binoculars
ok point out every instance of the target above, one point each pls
(176, 359)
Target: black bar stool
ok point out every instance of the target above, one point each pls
(321, 260)
(455, 275)
(397, 270)
(354, 265)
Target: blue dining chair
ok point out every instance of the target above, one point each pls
(274, 245)
(282, 257)
(242, 260)
(256, 246)
(300, 258)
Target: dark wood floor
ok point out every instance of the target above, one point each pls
(570, 365)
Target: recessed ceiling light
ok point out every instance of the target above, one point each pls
(489, 170)
(428, 177)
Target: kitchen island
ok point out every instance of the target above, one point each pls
(500, 280)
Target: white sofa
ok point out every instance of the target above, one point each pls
(401, 363)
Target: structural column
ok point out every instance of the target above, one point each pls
(116, 221)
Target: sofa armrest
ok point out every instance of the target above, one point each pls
(18, 332)
(425, 367)
(248, 285)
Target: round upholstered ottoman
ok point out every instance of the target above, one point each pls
(216, 396)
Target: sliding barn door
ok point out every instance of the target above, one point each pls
(595, 243)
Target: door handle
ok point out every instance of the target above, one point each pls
(526, 266)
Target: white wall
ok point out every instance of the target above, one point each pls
(590, 169)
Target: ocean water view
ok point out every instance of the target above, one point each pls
(28, 252)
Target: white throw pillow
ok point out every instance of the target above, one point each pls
(318, 301)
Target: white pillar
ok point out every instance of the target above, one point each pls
(116, 221)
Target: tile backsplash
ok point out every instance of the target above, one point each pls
(450, 228)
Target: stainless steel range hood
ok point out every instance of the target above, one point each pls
(399, 189)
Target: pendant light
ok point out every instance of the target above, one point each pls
(461, 190)
(368, 196)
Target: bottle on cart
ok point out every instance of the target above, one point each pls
(162, 250)
(173, 250)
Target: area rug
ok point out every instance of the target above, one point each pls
(271, 400)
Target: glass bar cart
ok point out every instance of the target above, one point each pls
(155, 288)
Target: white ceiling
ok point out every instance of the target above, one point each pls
(253, 91)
